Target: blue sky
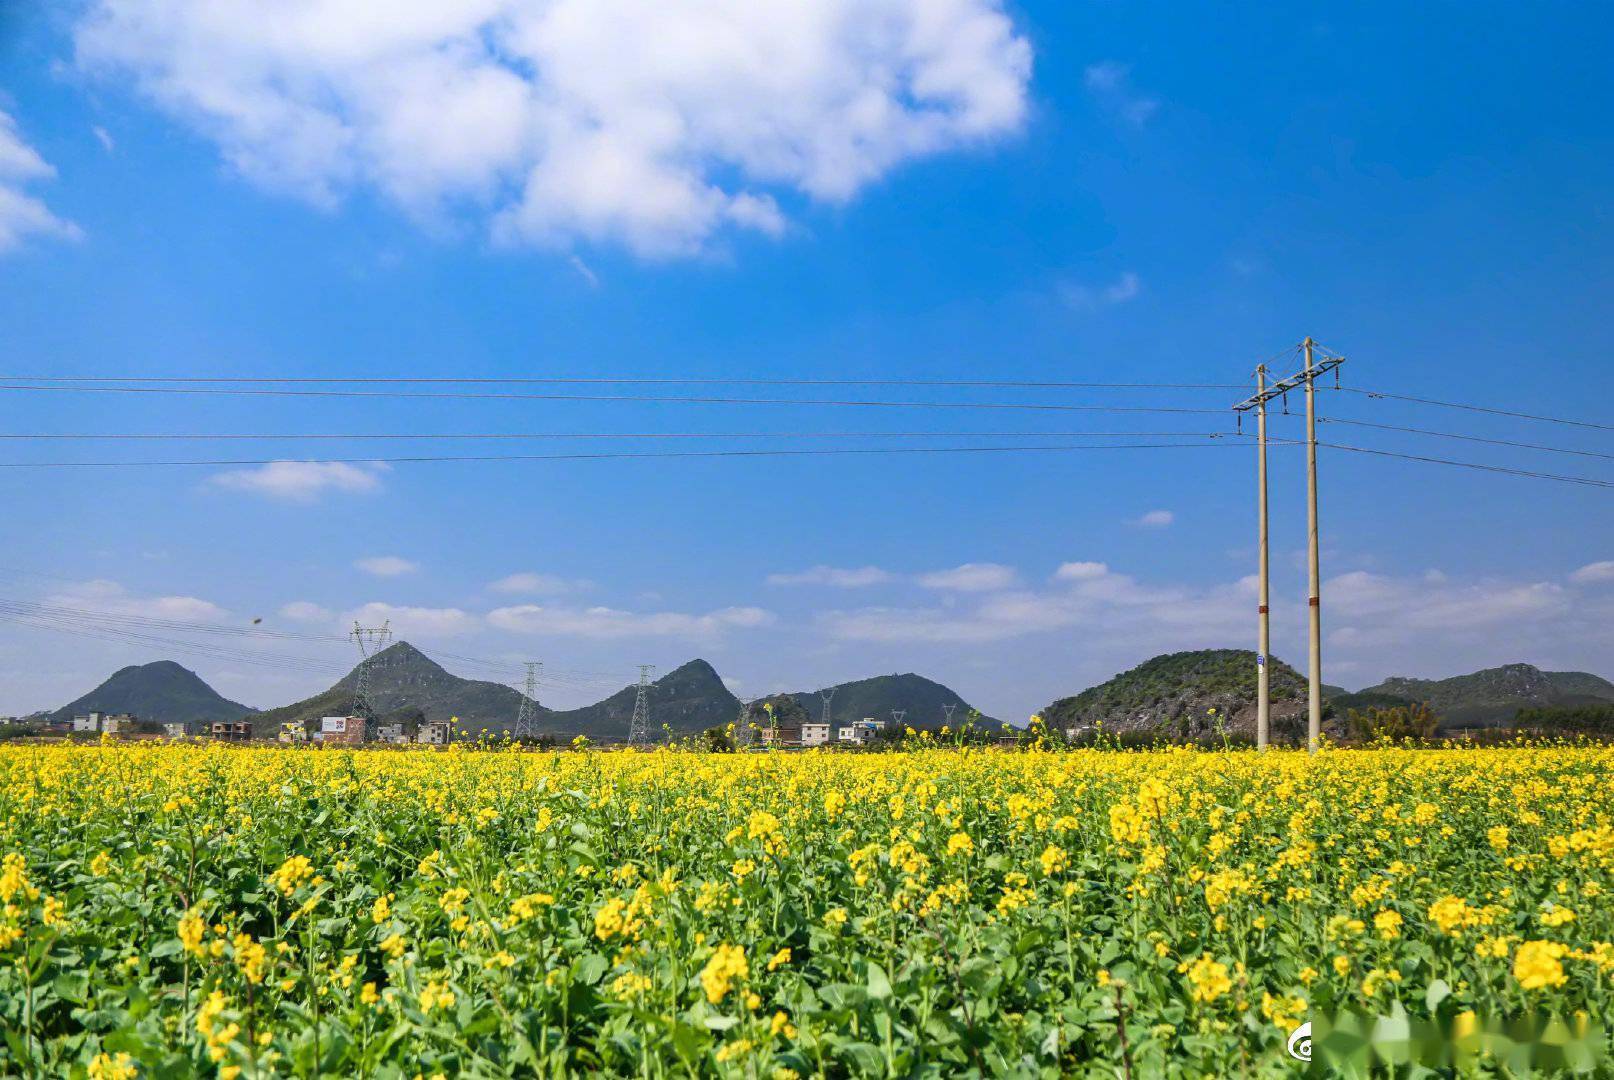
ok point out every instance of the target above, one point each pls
(905, 190)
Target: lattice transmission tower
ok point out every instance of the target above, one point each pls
(947, 714)
(742, 726)
(370, 640)
(896, 718)
(639, 728)
(828, 696)
(527, 712)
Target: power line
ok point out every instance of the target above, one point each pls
(643, 398)
(1477, 408)
(1000, 384)
(1584, 480)
(453, 436)
(1217, 441)
(1465, 438)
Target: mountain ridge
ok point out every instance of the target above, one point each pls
(1492, 696)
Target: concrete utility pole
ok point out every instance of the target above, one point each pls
(1314, 600)
(1263, 668)
(1307, 378)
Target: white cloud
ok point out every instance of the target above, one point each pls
(527, 583)
(585, 271)
(1390, 607)
(299, 481)
(415, 622)
(608, 623)
(1594, 573)
(1110, 83)
(386, 565)
(104, 137)
(22, 215)
(838, 577)
(651, 125)
(1109, 607)
(1155, 519)
(1093, 297)
(971, 577)
(306, 611)
(109, 596)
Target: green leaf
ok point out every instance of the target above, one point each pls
(590, 967)
(879, 982)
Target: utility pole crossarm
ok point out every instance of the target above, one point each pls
(1293, 382)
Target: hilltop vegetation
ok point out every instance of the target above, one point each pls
(1173, 695)
(163, 692)
(409, 686)
(1494, 696)
(920, 698)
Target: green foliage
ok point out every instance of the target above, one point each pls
(1396, 722)
(1175, 685)
(1494, 695)
(160, 691)
(1588, 719)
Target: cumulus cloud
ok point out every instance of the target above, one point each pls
(299, 481)
(971, 577)
(23, 215)
(1595, 573)
(1080, 571)
(386, 565)
(1110, 83)
(840, 578)
(306, 611)
(415, 622)
(651, 125)
(110, 597)
(609, 623)
(528, 583)
(1155, 519)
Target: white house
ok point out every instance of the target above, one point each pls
(814, 734)
(862, 731)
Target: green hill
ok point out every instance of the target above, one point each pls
(407, 685)
(1172, 696)
(161, 691)
(1492, 697)
(920, 698)
(687, 699)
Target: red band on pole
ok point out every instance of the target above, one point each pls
(1262, 610)
(1315, 602)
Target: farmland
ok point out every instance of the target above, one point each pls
(178, 910)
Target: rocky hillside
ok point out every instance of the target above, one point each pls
(161, 691)
(1171, 696)
(1492, 697)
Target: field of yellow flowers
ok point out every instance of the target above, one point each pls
(179, 910)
